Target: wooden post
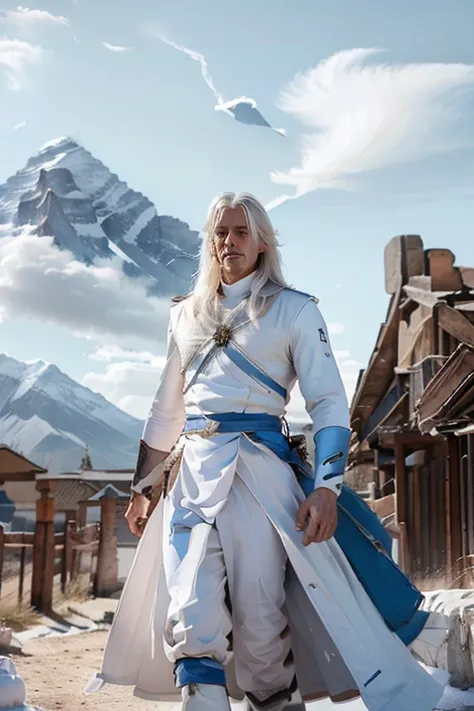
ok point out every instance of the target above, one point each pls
(2, 550)
(21, 586)
(453, 512)
(43, 552)
(66, 563)
(417, 536)
(107, 562)
(401, 501)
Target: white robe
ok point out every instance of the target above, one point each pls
(339, 639)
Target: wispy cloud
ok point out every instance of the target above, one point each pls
(20, 124)
(197, 57)
(16, 57)
(27, 16)
(244, 110)
(116, 47)
(362, 116)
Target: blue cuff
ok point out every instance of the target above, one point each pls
(199, 670)
(330, 457)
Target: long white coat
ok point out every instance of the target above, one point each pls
(340, 642)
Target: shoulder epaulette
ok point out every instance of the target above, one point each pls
(303, 293)
(178, 299)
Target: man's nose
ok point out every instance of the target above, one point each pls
(229, 240)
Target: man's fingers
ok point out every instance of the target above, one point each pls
(313, 526)
(301, 516)
(326, 531)
(132, 526)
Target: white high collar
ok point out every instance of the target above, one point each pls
(240, 289)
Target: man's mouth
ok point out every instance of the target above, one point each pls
(231, 255)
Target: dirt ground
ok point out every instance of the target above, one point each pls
(56, 671)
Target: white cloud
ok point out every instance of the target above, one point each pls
(115, 47)
(25, 16)
(129, 383)
(363, 116)
(39, 281)
(197, 57)
(335, 329)
(20, 124)
(16, 57)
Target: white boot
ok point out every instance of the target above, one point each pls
(432, 641)
(205, 697)
(296, 704)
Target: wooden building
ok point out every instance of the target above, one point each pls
(412, 414)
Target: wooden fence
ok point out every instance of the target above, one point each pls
(34, 565)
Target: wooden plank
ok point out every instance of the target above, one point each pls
(16, 546)
(2, 554)
(19, 539)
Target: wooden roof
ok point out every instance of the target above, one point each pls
(16, 467)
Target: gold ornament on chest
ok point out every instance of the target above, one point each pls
(222, 336)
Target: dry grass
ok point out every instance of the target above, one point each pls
(18, 617)
(78, 590)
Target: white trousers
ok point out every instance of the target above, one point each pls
(252, 571)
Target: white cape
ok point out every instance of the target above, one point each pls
(340, 641)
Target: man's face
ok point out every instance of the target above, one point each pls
(236, 250)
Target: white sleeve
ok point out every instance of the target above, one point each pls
(163, 425)
(165, 420)
(324, 394)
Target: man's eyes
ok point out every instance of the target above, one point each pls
(221, 234)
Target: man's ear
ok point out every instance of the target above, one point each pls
(263, 248)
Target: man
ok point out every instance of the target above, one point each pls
(238, 577)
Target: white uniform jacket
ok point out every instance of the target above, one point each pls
(340, 642)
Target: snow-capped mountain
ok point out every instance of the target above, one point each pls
(52, 419)
(66, 193)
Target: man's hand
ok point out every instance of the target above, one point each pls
(317, 516)
(136, 513)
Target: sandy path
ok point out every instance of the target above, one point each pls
(58, 669)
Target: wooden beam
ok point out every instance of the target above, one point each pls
(455, 323)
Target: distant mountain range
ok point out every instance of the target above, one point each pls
(66, 193)
(51, 419)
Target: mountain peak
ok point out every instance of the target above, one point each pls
(52, 418)
(58, 144)
(68, 194)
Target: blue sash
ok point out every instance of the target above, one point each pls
(360, 534)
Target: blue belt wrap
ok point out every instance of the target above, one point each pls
(360, 533)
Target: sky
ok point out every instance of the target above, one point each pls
(377, 101)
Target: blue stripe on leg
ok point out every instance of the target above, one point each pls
(199, 670)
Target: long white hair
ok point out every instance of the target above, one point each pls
(205, 293)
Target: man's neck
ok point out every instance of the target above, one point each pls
(238, 289)
(229, 281)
